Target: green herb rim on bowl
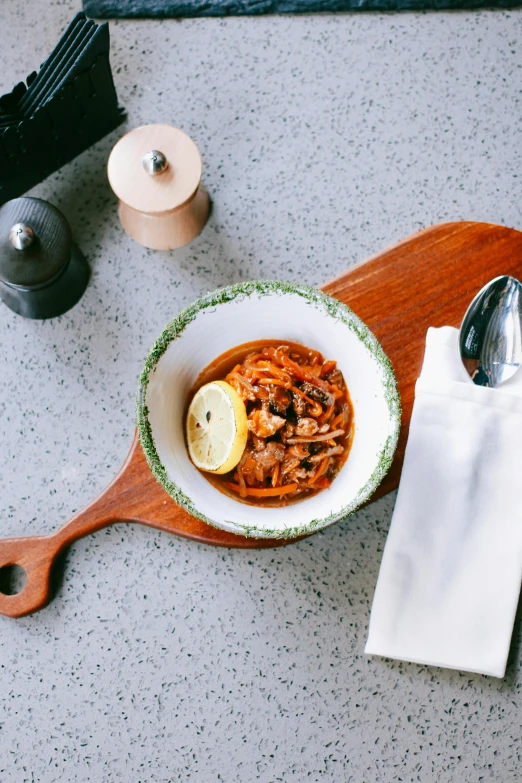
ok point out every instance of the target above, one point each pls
(335, 309)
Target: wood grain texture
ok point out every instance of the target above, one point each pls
(170, 230)
(166, 191)
(426, 280)
(168, 210)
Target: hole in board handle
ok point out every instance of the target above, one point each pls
(13, 579)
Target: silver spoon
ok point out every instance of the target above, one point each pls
(490, 338)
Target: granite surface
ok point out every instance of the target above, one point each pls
(324, 139)
(188, 8)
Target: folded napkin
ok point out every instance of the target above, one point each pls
(450, 575)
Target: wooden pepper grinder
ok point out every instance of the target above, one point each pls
(42, 272)
(155, 171)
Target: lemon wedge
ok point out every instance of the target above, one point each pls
(217, 427)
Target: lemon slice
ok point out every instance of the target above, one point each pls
(217, 427)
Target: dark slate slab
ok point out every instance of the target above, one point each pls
(175, 8)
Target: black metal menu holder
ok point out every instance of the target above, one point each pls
(62, 110)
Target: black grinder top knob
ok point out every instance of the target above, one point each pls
(21, 236)
(42, 273)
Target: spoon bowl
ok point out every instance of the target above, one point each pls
(490, 338)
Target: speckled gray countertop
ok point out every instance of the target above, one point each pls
(324, 140)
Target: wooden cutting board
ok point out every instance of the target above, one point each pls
(426, 280)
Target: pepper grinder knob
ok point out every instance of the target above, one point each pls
(42, 272)
(21, 236)
(155, 171)
(154, 162)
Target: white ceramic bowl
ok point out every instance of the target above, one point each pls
(253, 311)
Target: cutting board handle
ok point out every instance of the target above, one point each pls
(133, 496)
(120, 501)
(36, 554)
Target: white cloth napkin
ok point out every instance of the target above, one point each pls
(450, 575)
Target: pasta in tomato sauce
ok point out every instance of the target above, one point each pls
(300, 421)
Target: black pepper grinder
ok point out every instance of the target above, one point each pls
(42, 272)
